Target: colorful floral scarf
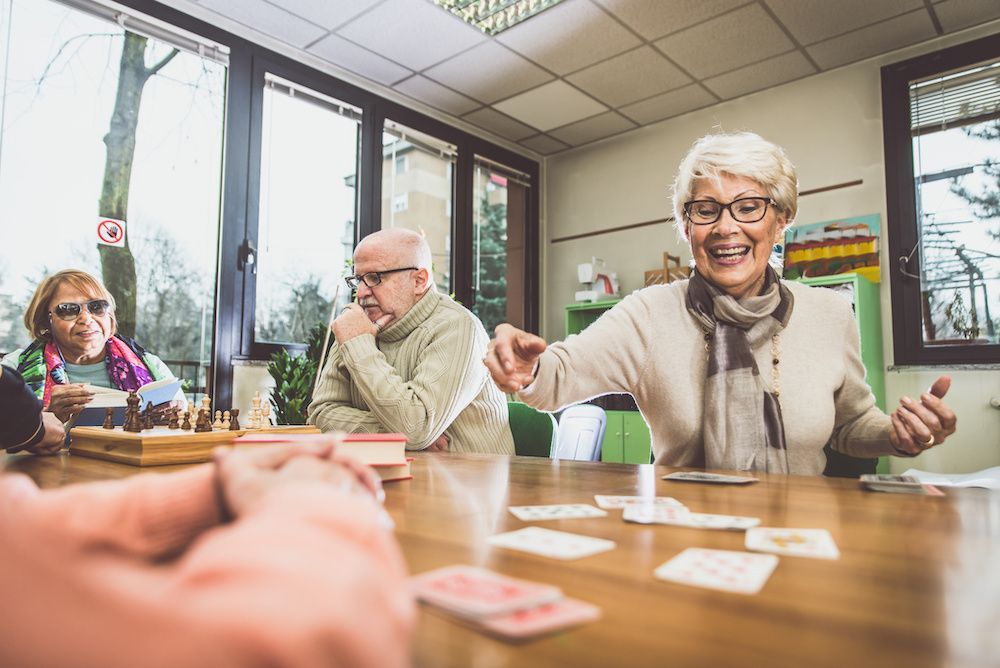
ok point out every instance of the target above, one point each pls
(43, 367)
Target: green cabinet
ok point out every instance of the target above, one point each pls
(580, 316)
(626, 438)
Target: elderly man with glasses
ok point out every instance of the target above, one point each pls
(408, 359)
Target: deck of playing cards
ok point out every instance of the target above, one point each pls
(509, 607)
(705, 476)
(898, 484)
(725, 570)
(815, 543)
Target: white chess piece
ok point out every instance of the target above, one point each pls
(226, 420)
(267, 414)
(217, 425)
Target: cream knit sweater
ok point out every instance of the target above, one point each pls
(423, 376)
(650, 346)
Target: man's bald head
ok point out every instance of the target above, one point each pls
(397, 247)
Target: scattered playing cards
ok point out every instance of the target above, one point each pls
(549, 543)
(508, 607)
(564, 511)
(898, 484)
(670, 515)
(617, 502)
(704, 476)
(816, 543)
(473, 592)
(738, 572)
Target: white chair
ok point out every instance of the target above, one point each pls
(581, 431)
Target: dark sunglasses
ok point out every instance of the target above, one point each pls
(71, 310)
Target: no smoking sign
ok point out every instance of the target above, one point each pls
(111, 232)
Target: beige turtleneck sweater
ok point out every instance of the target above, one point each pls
(423, 376)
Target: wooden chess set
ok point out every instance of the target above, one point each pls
(151, 438)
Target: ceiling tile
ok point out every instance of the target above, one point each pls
(592, 129)
(569, 36)
(489, 72)
(551, 106)
(879, 38)
(414, 32)
(726, 43)
(812, 20)
(494, 121)
(352, 57)
(325, 13)
(543, 144)
(655, 18)
(674, 103)
(770, 72)
(436, 95)
(629, 77)
(268, 19)
(956, 14)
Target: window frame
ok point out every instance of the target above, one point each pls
(233, 338)
(903, 234)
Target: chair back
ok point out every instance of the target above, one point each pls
(581, 431)
(534, 432)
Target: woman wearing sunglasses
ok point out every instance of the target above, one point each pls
(735, 368)
(72, 319)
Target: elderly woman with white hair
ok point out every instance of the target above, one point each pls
(734, 368)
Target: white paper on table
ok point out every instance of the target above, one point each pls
(987, 478)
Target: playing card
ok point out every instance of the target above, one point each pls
(704, 476)
(816, 543)
(474, 592)
(541, 619)
(549, 543)
(616, 502)
(650, 514)
(738, 572)
(563, 511)
(662, 515)
(898, 484)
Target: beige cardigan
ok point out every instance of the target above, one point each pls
(650, 346)
(423, 376)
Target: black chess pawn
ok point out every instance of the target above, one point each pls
(147, 417)
(174, 422)
(133, 421)
(186, 425)
(234, 419)
(109, 418)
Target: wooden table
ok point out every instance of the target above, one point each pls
(917, 582)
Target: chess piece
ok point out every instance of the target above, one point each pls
(109, 418)
(204, 422)
(147, 417)
(234, 425)
(133, 422)
(206, 405)
(174, 422)
(186, 425)
(226, 420)
(266, 415)
(218, 421)
(254, 422)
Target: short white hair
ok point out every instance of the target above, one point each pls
(743, 154)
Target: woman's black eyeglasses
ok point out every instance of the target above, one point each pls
(743, 210)
(372, 278)
(71, 311)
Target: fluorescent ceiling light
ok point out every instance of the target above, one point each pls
(494, 16)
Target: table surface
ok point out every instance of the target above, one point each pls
(917, 582)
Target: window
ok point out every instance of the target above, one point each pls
(942, 136)
(499, 212)
(305, 232)
(64, 167)
(421, 193)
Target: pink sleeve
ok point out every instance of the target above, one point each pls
(309, 578)
(150, 515)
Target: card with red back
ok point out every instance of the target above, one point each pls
(474, 593)
(542, 619)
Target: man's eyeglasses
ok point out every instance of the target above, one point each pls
(743, 210)
(71, 311)
(372, 278)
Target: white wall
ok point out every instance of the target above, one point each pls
(831, 126)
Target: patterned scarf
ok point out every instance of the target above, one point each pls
(743, 429)
(43, 367)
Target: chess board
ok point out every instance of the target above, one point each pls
(161, 445)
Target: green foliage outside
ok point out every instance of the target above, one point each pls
(294, 376)
(491, 298)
